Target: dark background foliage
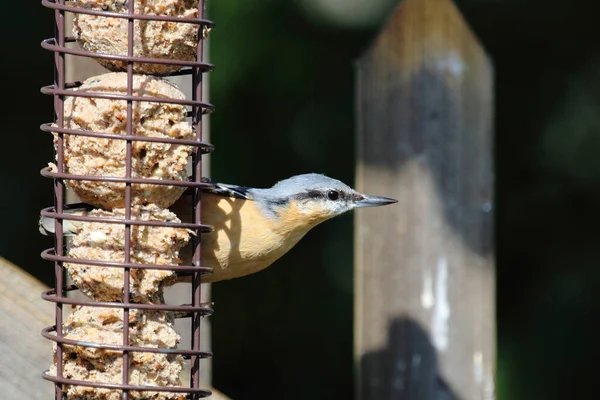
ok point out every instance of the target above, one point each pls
(283, 89)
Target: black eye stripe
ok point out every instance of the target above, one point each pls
(325, 194)
(315, 194)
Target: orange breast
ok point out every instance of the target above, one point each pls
(245, 240)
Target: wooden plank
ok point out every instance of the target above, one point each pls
(25, 353)
(424, 268)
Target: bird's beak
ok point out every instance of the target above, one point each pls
(374, 201)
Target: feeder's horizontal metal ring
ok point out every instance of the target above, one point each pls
(50, 44)
(207, 108)
(183, 71)
(185, 310)
(51, 213)
(46, 332)
(205, 147)
(45, 172)
(177, 389)
(50, 255)
(52, 90)
(78, 10)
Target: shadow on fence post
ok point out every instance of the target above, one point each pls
(424, 268)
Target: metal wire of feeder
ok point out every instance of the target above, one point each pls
(59, 90)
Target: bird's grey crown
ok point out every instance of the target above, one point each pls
(300, 185)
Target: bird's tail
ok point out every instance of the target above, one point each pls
(226, 190)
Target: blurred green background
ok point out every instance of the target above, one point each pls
(283, 89)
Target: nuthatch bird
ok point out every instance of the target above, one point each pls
(255, 227)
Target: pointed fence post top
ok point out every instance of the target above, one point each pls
(424, 32)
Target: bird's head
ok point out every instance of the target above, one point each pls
(314, 198)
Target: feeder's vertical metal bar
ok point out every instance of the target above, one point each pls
(59, 83)
(128, 162)
(197, 177)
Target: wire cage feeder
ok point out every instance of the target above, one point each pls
(60, 90)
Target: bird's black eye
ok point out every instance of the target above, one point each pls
(333, 195)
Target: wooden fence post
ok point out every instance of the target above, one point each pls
(424, 268)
